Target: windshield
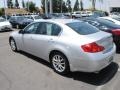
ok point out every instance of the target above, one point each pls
(20, 18)
(2, 20)
(82, 28)
(37, 17)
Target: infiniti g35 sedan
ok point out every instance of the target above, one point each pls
(69, 45)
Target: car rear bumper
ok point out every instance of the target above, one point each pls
(93, 63)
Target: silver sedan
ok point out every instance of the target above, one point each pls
(69, 45)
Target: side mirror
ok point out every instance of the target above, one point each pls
(21, 31)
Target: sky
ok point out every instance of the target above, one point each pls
(87, 3)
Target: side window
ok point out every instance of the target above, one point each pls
(55, 30)
(48, 29)
(41, 29)
(52, 29)
(31, 29)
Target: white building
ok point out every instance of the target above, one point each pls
(111, 5)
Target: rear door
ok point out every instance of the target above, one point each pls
(45, 38)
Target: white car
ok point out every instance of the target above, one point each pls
(77, 14)
(5, 25)
(111, 20)
(69, 45)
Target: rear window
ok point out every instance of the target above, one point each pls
(83, 28)
(118, 19)
(108, 23)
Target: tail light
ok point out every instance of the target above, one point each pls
(116, 31)
(92, 47)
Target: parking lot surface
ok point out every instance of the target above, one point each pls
(21, 71)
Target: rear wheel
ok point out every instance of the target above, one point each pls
(13, 44)
(60, 63)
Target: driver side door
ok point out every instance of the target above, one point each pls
(27, 38)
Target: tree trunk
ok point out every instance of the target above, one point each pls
(93, 4)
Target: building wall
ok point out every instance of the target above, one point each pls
(108, 4)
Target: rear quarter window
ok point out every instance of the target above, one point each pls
(83, 28)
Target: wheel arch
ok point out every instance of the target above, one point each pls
(54, 51)
(10, 38)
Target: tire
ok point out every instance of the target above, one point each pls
(13, 45)
(60, 63)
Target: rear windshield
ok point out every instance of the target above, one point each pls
(118, 19)
(108, 23)
(82, 28)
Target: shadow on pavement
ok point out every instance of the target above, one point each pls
(97, 79)
(6, 31)
(35, 58)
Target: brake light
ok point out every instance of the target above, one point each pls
(116, 31)
(92, 47)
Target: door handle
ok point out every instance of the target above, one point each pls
(32, 38)
(50, 40)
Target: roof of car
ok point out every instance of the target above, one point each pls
(63, 21)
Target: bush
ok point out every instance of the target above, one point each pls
(1, 11)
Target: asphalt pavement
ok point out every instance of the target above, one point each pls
(22, 71)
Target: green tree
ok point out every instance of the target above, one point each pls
(31, 7)
(23, 4)
(2, 11)
(43, 5)
(81, 5)
(65, 9)
(9, 3)
(16, 4)
(56, 6)
(76, 6)
(68, 4)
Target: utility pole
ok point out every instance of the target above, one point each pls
(51, 7)
(28, 5)
(46, 7)
(61, 5)
(5, 10)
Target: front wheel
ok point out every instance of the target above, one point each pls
(13, 44)
(60, 63)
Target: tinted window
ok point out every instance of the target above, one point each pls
(108, 23)
(55, 29)
(37, 17)
(31, 29)
(2, 20)
(12, 18)
(97, 24)
(20, 18)
(118, 19)
(48, 29)
(83, 28)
